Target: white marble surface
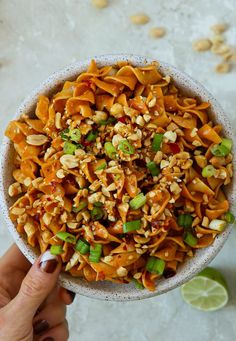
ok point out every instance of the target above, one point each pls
(38, 37)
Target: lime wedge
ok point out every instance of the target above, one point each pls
(207, 291)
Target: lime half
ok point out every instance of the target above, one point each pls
(207, 291)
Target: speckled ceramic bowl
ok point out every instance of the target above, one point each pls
(106, 290)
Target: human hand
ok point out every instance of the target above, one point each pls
(32, 306)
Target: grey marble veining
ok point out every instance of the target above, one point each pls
(39, 37)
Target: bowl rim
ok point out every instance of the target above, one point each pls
(65, 280)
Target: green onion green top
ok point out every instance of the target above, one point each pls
(131, 226)
(222, 149)
(157, 141)
(229, 217)
(153, 168)
(56, 249)
(66, 237)
(190, 239)
(137, 284)
(80, 207)
(95, 253)
(82, 246)
(75, 135)
(69, 148)
(65, 134)
(110, 120)
(97, 213)
(138, 201)
(185, 220)
(102, 166)
(110, 150)
(92, 135)
(155, 265)
(208, 171)
(126, 147)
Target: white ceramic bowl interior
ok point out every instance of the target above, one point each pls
(106, 290)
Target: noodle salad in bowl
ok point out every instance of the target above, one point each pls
(121, 174)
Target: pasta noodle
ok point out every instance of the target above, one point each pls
(120, 174)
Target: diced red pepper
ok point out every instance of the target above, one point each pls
(88, 82)
(174, 148)
(122, 119)
(86, 143)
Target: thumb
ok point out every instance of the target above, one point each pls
(36, 286)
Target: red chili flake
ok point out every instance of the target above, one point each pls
(166, 228)
(169, 273)
(155, 224)
(54, 185)
(122, 119)
(174, 148)
(125, 247)
(37, 217)
(86, 143)
(101, 276)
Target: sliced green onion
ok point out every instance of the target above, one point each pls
(220, 150)
(156, 142)
(98, 204)
(75, 135)
(131, 226)
(95, 253)
(155, 265)
(218, 225)
(208, 171)
(190, 239)
(229, 217)
(91, 137)
(137, 284)
(138, 201)
(56, 249)
(110, 120)
(80, 207)
(82, 246)
(185, 220)
(66, 237)
(97, 213)
(228, 143)
(65, 134)
(110, 150)
(126, 147)
(69, 148)
(102, 166)
(154, 169)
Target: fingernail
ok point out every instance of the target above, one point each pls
(40, 326)
(48, 262)
(72, 294)
(49, 339)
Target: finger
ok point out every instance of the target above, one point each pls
(58, 333)
(52, 315)
(36, 286)
(66, 295)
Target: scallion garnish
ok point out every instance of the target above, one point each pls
(56, 249)
(222, 149)
(156, 142)
(138, 201)
(153, 168)
(98, 204)
(66, 237)
(97, 213)
(69, 148)
(75, 135)
(95, 253)
(155, 265)
(65, 134)
(80, 207)
(208, 171)
(91, 137)
(126, 147)
(137, 284)
(110, 120)
(229, 217)
(82, 246)
(190, 239)
(102, 166)
(110, 150)
(131, 226)
(218, 225)
(185, 220)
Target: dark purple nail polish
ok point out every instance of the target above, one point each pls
(49, 339)
(40, 326)
(48, 262)
(72, 294)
